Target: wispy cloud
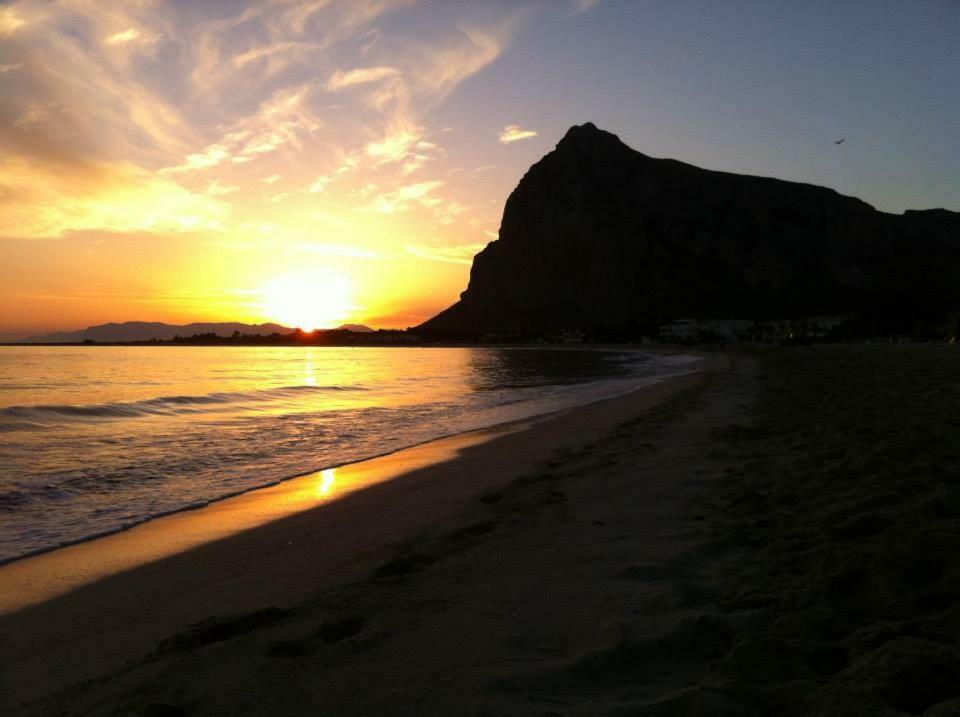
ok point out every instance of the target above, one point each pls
(319, 184)
(460, 254)
(10, 21)
(267, 52)
(283, 119)
(515, 133)
(360, 76)
(579, 6)
(448, 212)
(405, 198)
(41, 202)
(136, 108)
(395, 145)
(120, 38)
(218, 189)
(440, 69)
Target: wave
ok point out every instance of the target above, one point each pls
(14, 418)
(172, 467)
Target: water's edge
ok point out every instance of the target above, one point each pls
(643, 383)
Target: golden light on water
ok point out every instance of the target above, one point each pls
(316, 300)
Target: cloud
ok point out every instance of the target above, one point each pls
(319, 184)
(448, 212)
(10, 21)
(107, 108)
(360, 76)
(441, 69)
(120, 38)
(217, 189)
(414, 162)
(270, 38)
(36, 114)
(348, 165)
(272, 179)
(283, 119)
(515, 133)
(394, 146)
(264, 52)
(402, 143)
(405, 198)
(209, 157)
(462, 254)
(177, 107)
(579, 6)
(38, 201)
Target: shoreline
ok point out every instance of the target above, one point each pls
(286, 490)
(519, 423)
(777, 535)
(281, 560)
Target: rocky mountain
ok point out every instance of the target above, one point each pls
(147, 330)
(600, 237)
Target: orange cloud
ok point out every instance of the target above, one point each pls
(405, 198)
(360, 76)
(10, 21)
(39, 201)
(119, 38)
(515, 133)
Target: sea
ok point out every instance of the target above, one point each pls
(96, 439)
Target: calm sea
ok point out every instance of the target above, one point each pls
(96, 439)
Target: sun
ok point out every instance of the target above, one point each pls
(317, 299)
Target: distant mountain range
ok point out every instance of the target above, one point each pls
(602, 238)
(149, 330)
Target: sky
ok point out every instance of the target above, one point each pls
(325, 161)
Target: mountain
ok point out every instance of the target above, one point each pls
(147, 330)
(600, 237)
(356, 328)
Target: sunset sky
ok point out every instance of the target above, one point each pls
(342, 160)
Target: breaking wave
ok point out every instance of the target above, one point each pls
(26, 417)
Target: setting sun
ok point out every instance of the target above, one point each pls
(315, 300)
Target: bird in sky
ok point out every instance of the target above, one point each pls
(841, 141)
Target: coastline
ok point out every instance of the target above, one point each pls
(55, 600)
(479, 432)
(777, 535)
(336, 462)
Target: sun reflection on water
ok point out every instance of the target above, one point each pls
(309, 379)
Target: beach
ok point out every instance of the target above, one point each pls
(775, 533)
(162, 576)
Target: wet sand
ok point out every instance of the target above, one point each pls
(87, 609)
(777, 537)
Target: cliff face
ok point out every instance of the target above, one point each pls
(600, 237)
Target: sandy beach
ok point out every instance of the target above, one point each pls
(775, 535)
(274, 548)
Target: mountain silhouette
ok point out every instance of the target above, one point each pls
(602, 238)
(148, 330)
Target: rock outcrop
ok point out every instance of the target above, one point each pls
(602, 238)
